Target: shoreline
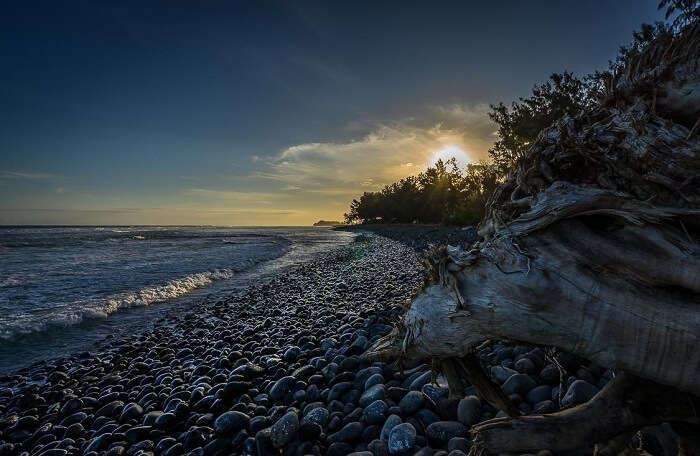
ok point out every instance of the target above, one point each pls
(23, 349)
(276, 368)
(419, 237)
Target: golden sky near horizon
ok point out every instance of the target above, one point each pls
(299, 185)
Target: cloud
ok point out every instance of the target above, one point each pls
(390, 151)
(240, 197)
(24, 175)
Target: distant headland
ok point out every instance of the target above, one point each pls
(328, 223)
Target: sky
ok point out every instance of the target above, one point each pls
(264, 113)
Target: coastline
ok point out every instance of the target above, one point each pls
(417, 236)
(274, 368)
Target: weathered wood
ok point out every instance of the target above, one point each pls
(485, 387)
(625, 405)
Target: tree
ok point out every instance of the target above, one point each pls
(687, 11)
(519, 125)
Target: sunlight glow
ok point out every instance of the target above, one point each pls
(447, 153)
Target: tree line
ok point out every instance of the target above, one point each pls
(446, 194)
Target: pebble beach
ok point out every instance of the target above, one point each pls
(278, 368)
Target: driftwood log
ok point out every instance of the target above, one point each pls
(591, 246)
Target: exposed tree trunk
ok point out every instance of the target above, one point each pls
(625, 405)
(592, 246)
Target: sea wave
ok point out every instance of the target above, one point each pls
(76, 312)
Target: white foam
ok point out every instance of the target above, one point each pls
(64, 315)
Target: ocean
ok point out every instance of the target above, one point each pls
(63, 289)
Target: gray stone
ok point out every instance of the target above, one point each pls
(318, 415)
(518, 384)
(544, 407)
(579, 392)
(338, 390)
(402, 438)
(284, 430)
(412, 402)
(418, 383)
(469, 410)
(389, 424)
(281, 388)
(501, 374)
(228, 423)
(550, 374)
(441, 432)
(539, 394)
(458, 443)
(374, 412)
(434, 392)
(525, 366)
(374, 393)
(378, 448)
(374, 379)
(349, 433)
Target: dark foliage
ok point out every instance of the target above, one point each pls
(519, 125)
(440, 194)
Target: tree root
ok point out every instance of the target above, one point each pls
(625, 405)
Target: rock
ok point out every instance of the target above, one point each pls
(228, 423)
(412, 402)
(284, 430)
(402, 438)
(357, 347)
(501, 374)
(364, 374)
(539, 394)
(579, 392)
(281, 388)
(338, 390)
(544, 407)
(469, 410)
(233, 389)
(427, 417)
(550, 374)
(378, 448)
(72, 405)
(389, 424)
(441, 432)
(434, 392)
(291, 353)
(374, 379)
(374, 393)
(309, 431)
(349, 433)
(458, 443)
(303, 372)
(318, 415)
(165, 420)
(518, 384)
(525, 366)
(131, 411)
(374, 412)
(421, 381)
(339, 449)
(110, 410)
(263, 443)
(447, 408)
(137, 433)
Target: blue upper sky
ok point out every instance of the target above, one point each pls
(240, 113)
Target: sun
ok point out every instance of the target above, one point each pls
(449, 152)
